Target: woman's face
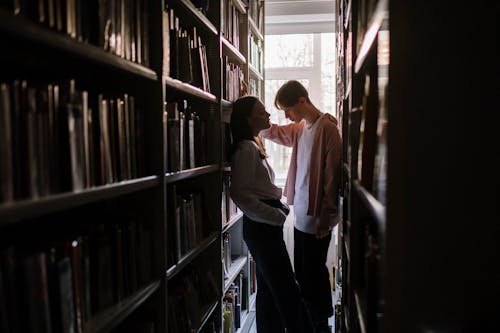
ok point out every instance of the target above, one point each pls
(258, 118)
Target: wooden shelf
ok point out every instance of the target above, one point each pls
(190, 173)
(207, 315)
(255, 73)
(376, 209)
(233, 53)
(189, 89)
(26, 30)
(232, 221)
(26, 209)
(191, 255)
(240, 6)
(347, 14)
(111, 317)
(371, 33)
(255, 30)
(359, 310)
(236, 266)
(228, 105)
(200, 16)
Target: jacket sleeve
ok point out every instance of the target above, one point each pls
(282, 134)
(243, 167)
(331, 180)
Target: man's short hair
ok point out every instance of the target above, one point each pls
(289, 94)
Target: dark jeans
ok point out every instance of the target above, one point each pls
(279, 303)
(312, 274)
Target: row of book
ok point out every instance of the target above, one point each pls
(187, 138)
(185, 55)
(255, 87)
(118, 26)
(255, 53)
(232, 80)
(56, 138)
(256, 12)
(230, 23)
(189, 298)
(232, 306)
(226, 253)
(59, 285)
(229, 208)
(188, 223)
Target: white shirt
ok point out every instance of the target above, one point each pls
(304, 222)
(252, 179)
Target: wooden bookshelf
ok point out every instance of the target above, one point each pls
(111, 317)
(408, 225)
(136, 185)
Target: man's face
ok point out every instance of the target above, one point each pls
(294, 112)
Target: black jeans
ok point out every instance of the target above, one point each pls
(279, 303)
(312, 274)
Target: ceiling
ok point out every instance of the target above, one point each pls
(299, 16)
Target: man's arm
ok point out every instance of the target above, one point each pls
(282, 134)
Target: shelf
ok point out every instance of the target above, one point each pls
(190, 173)
(347, 14)
(189, 89)
(240, 6)
(234, 53)
(200, 16)
(191, 255)
(227, 105)
(376, 209)
(111, 317)
(371, 33)
(255, 73)
(25, 209)
(255, 30)
(236, 266)
(361, 317)
(346, 248)
(31, 32)
(207, 315)
(232, 221)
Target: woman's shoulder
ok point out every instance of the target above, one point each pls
(248, 145)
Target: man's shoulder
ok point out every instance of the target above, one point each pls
(328, 123)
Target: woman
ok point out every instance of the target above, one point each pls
(279, 304)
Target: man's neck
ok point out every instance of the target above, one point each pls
(312, 115)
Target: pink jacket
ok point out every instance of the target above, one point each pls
(325, 166)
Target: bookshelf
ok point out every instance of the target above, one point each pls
(238, 266)
(113, 123)
(402, 87)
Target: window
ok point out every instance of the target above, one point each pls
(305, 58)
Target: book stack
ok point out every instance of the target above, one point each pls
(120, 27)
(62, 283)
(187, 54)
(58, 138)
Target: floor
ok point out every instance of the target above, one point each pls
(253, 328)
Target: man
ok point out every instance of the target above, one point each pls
(312, 187)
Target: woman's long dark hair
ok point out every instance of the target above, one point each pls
(240, 129)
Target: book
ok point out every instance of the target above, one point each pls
(61, 292)
(173, 132)
(166, 43)
(36, 293)
(6, 146)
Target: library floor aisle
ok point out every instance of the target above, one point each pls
(253, 326)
